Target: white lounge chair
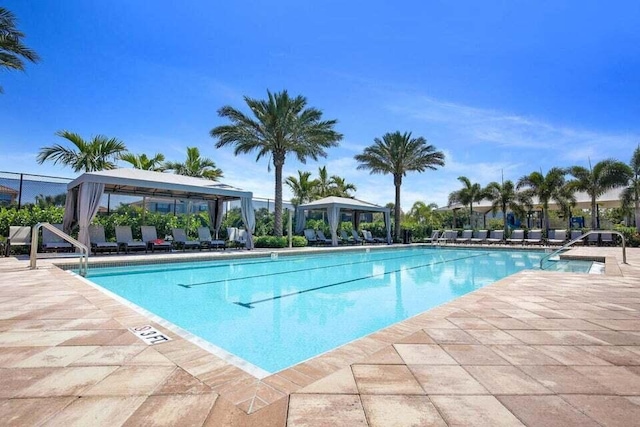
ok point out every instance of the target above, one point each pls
(18, 236)
(99, 242)
(517, 236)
(448, 235)
(367, 237)
(182, 242)
(204, 236)
(497, 236)
(52, 242)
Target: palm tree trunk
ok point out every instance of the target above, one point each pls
(504, 219)
(278, 163)
(397, 181)
(637, 214)
(594, 214)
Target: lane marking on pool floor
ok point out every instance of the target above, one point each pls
(232, 279)
(252, 303)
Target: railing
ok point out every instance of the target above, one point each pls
(578, 239)
(84, 251)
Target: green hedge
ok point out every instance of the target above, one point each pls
(630, 234)
(278, 242)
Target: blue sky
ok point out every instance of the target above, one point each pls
(502, 87)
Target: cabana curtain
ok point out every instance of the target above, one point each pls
(87, 201)
(333, 215)
(249, 218)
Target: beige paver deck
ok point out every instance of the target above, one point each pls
(536, 349)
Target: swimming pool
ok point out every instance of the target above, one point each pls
(274, 312)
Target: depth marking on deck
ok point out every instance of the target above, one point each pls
(252, 303)
(212, 282)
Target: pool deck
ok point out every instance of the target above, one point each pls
(536, 349)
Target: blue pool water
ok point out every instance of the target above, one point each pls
(275, 313)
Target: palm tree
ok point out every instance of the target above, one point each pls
(341, 187)
(141, 161)
(423, 213)
(12, 51)
(505, 197)
(281, 126)
(597, 180)
(631, 194)
(397, 153)
(301, 187)
(545, 187)
(196, 166)
(467, 195)
(98, 154)
(323, 184)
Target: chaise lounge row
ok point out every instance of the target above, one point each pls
(533, 237)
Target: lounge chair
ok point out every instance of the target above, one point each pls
(480, 236)
(433, 238)
(241, 238)
(51, 242)
(375, 239)
(99, 242)
(150, 236)
(322, 238)
(310, 235)
(356, 237)
(345, 238)
(496, 236)
(593, 239)
(517, 236)
(448, 235)
(534, 237)
(18, 236)
(367, 237)
(466, 236)
(607, 239)
(559, 237)
(575, 234)
(181, 241)
(124, 238)
(204, 236)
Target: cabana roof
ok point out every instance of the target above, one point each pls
(344, 204)
(138, 182)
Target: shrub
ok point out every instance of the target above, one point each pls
(270, 242)
(299, 242)
(630, 234)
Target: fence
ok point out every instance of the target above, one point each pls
(22, 189)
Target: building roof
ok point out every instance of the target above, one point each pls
(345, 204)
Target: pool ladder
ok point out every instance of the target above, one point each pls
(84, 251)
(578, 239)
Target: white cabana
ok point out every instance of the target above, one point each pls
(84, 193)
(334, 207)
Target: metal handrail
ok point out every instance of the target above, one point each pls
(84, 251)
(578, 239)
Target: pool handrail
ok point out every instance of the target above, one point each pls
(84, 251)
(578, 239)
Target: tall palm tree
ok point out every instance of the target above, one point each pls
(141, 161)
(12, 50)
(196, 166)
(280, 126)
(301, 187)
(100, 153)
(505, 197)
(631, 194)
(467, 195)
(545, 187)
(597, 180)
(398, 153)
(341, 187)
